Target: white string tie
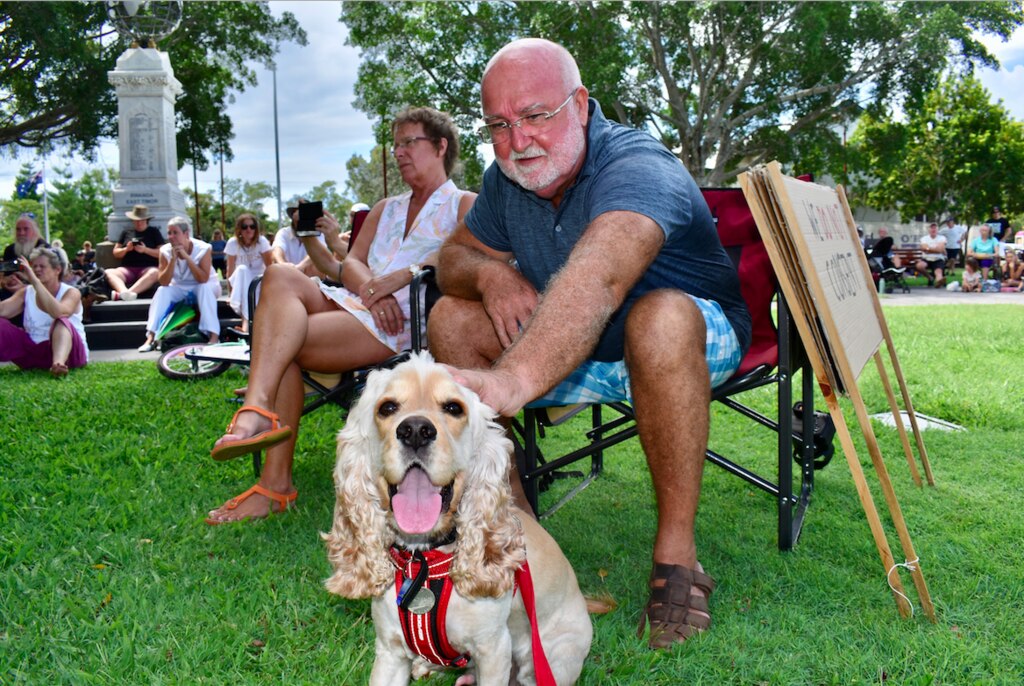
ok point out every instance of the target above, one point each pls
(910, 567)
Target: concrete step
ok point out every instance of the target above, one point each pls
(117, 324)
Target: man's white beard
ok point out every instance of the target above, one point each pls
(24, 248)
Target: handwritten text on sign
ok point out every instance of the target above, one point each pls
(828, 252)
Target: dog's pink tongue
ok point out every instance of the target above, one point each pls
(417, 504)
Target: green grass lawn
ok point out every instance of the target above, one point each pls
(109, 574)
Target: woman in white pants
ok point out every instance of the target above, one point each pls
(186, 266)
(249, 254)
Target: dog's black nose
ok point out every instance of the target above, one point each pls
(416, 432)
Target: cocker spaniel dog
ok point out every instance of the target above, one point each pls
(424, 524)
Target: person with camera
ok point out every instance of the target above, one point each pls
(51, 335)
(288, 248)
(305, 323)
(186, 267)
(26, 239)
(138, 248)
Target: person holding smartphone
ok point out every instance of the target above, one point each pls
(51, 334)
(138, 248)
(312, 324)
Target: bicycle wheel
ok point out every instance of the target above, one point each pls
(174, 365)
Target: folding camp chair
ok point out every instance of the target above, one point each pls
(774, 357)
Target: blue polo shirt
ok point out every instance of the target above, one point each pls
(625, 169)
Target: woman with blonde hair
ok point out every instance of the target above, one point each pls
(51, 335)
(248, 255)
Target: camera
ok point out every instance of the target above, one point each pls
(136, 241)
(10, 266)
(309, 212)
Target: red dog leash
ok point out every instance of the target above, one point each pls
(541, 668)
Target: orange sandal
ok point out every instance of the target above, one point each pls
(261, 441)
(282, 499)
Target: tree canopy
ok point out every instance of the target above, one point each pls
(958, 154)
(726, 85)
(54, 59)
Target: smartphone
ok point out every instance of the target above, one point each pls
(309, 212)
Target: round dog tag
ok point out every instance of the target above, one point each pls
(422, 602)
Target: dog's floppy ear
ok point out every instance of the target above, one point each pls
(490, 546)
(358, 541)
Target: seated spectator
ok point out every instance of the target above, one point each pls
(933, 262)
(248, 253)
(656, 319)
(90, 254)
(138, 248)
(26, 239)
(985, 249)
(971, 277)
(893, 259)
(51, 336)
(326, 328)
(288, 249)
(186, 266)
(80, 266)
(217, 245)
(1012, 270)
(954, 234)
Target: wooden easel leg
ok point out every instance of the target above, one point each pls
(894, 506)
(909, 405)
(897, 418)
(867, 502)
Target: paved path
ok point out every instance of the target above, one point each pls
(940, 296)
(917, 296)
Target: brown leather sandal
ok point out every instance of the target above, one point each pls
(672, 609)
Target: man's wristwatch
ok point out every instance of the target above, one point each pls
(415, 269)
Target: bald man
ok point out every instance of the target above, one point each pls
(589, 270)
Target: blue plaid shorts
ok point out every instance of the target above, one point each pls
(602, 382)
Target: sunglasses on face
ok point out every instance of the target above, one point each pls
(248, 227)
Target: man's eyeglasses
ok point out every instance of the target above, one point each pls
(531, 124)
(248, 227)
(407, 143)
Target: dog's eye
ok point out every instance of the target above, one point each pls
(387, 408)
(453, 408)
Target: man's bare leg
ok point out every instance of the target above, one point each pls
(461, 335)
(671, 389)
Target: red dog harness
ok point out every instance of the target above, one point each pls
(424, 589)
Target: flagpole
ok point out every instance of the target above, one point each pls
(46, 203)
(277, 154)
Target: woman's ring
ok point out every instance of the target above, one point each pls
(369, 291)
(381, 313)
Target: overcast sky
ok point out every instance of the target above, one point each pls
(319, 130)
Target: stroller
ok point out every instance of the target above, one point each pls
(882, 267)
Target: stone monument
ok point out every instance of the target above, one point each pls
(146, 90)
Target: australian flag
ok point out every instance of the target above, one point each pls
(29, 184)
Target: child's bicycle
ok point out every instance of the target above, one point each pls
(179, 338)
